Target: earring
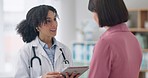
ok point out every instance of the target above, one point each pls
(37, 29)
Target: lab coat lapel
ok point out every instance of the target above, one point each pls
(42, 52)
(44, 55)
(39, 49)
(57, 53)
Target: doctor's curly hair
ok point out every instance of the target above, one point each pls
(34, 18)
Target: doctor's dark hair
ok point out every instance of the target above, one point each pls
(110, 12)
(34, 18)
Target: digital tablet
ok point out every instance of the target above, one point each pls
(78, 70)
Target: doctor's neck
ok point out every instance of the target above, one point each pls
(46, 40)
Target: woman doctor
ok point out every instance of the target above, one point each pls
(42, 55)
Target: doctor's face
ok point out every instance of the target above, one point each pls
(49, 27)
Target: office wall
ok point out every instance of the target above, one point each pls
(82, 12)
(66, 33)
(1, 36)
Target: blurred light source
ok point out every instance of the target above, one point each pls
(13, 5)
(8, 67)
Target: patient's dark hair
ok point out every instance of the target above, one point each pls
(34, 18)
(110, 12)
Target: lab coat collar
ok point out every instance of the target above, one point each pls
(58, 52)
(45, 45)
(39, 48)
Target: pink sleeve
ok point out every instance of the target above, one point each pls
(101, 60)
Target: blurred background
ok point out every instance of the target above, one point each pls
(76, 29)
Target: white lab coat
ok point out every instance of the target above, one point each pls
(26, 53)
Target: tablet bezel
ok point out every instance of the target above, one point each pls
(78, 70)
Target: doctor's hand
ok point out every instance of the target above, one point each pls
(52, 75)
(73, 75)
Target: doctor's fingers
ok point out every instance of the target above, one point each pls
(77, 76)
(67, 75)
(74, 75)
(53, 76)
(70, 75)
(53, 73)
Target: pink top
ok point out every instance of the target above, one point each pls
(116, 55)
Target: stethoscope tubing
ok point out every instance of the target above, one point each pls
(66, 61)
(36, 57)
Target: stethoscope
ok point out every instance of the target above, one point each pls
(40, 63)
(36, 57)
